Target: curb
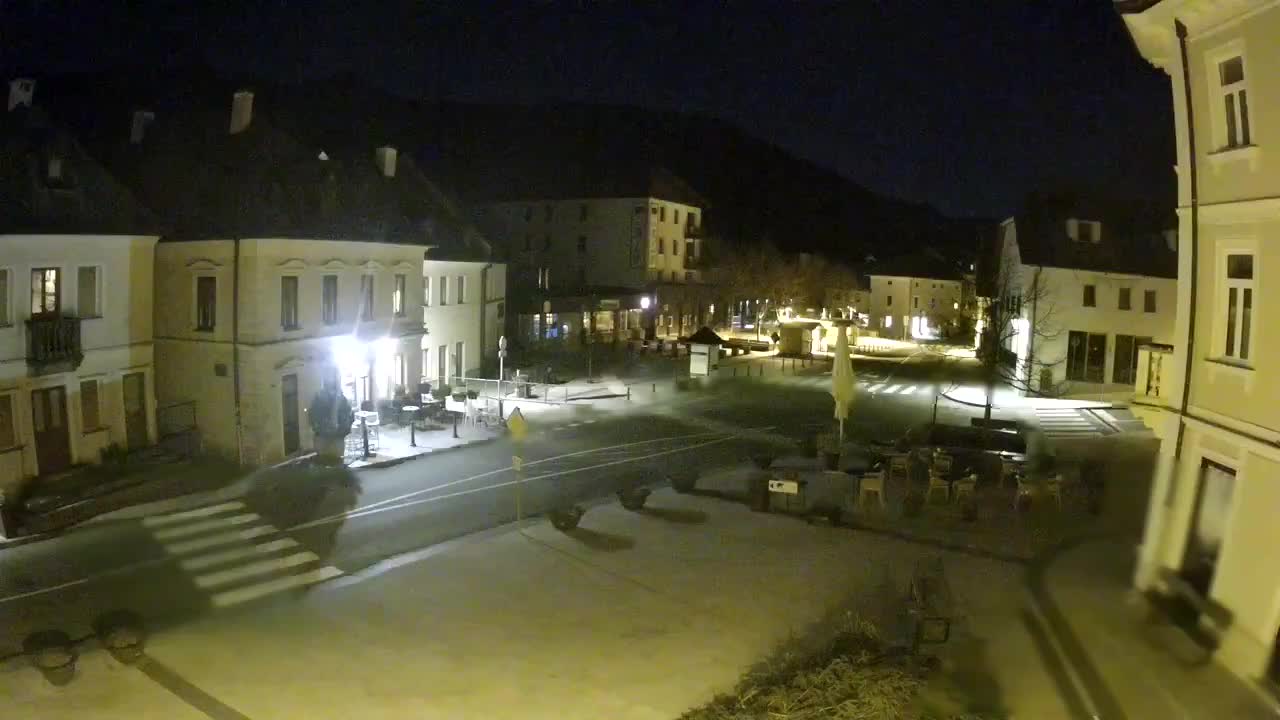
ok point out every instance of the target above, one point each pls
(392, 462)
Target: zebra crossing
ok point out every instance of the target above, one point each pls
(233, 555)
(1069, 423)
(871, 385)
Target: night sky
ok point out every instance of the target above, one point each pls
(962, 104)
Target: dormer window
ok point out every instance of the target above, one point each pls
(1084, 231)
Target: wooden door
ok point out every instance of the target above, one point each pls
(49, 422)
(135, 410)
(289, 413)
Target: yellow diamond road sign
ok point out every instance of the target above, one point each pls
(518, 426)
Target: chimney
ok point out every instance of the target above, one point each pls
(21, 91)
(138, 130)
(385, 157)
(241, 111)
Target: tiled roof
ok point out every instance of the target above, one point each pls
(83, 199)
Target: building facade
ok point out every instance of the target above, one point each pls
(1214, 490)
(604, 268)
(76, 270)
(915, 297)
(463, 314)
(1081, 307)
(249, 330)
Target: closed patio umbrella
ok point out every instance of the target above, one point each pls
(842, 380)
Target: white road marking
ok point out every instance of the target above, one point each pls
(159, 520)
(205, 526)
(876, 388)
(254, 569)
(225, 556)
(910, 390)
(204, 543)
(269, 587)
(891, 389)
(587, 422)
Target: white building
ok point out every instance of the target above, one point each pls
(915, 297)
(1084, 299)
(1212, 516)
(625, 265)
(289, 266)
(76, 266)
(464, 313)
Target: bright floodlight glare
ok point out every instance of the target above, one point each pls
(644, 303)
(387, 346)
(348, 353)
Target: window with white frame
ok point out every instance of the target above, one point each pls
(289, 302)
(206, 302)
(366, 297)
(426, 291)
(5, 282)
(88, 292)
(397, 295)
(462, 289)
(8, 428)
(1235, 102)
(444, 290)
(1237, 301)
(1124, 299)
(329, 299)
(1149, 301)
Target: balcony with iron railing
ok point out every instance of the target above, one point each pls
(693, 232)
(53, 344)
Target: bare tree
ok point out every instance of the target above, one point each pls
(1017, 320)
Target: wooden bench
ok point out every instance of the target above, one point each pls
(1203, 619)
(930, 603)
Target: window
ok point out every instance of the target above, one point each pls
(502, 310)
(1149, 301)
(1235, 102)
(1124, 370)
(690, 277)
(888, 300)
(1090, 296)
(4, 298)
(675, 247)
(459, 359)
(462, 289)
(1125, 299)
(329, 299)
(544, 278)
(399, 378)
(582, 243)
(206, 302)
(933, 303)
(662, 213)
(444, 290)
(90, 408)
(397, 296)
(289, 302)
(915, 302)
(675, 217)
(1086, 356)
(87, 298)
(582, 212)
(662, 246)
(690, 251)
(8, 431)
(1084, 233)
(1239, 305)
(46, 291)
(366, 297)
(426, 291)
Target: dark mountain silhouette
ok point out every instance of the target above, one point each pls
(755, 191)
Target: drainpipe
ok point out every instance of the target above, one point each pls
(235, 347)
(484, 307)
(1195, 238)
(1031, 329)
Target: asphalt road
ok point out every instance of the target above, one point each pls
(298, 527)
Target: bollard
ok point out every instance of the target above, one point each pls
(655, 387)
(735, 371)
(628, 393)
(455, 425)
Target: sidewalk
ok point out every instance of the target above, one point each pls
(633, 616)
(1124, 666)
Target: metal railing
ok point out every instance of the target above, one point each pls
(54, 339)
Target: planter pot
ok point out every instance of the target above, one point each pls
(633, 500)
(473, 395)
